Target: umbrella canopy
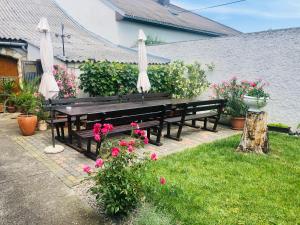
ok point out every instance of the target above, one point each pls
(143, 84)
(48, 87)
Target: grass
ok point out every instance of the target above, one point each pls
(149, 215)
(214, 184)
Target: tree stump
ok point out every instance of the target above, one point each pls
(255, 134)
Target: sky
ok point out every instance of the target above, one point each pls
(250, 15)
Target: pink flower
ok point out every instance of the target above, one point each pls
(108, 126)
(131, 142)
(162, 181)
(115, 152)
(142, 133)
(146, 141)
(133, 124)
(130, 148)
(99, 163)
(97, 128)
(154, 156)
(104, 130)
(253, 84)
(97, 137)
(123, 143)
(87, 169)
(137, 132)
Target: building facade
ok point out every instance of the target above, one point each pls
(119, 20)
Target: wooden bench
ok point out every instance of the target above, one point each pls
(148, 117)
(194, 111)
(59, 123)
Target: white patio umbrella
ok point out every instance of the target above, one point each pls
(48, 86)
(143, 84)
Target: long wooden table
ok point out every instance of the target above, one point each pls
(79, 111)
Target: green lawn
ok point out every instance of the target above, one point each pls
(213, 184)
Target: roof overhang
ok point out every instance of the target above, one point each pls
(126, 17)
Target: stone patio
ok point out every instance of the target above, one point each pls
(67, 165)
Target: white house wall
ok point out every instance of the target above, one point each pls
(273, 56)
(128, 33)
(93, 15)
(99, 17)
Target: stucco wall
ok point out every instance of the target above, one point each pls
(273, 56)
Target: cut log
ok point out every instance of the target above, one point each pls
(255, 134)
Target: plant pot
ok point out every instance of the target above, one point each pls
(255, 104)
(1, 107)
(280, 129)
(27, 124)
(42, 125)
(11, 109)
(237, 123)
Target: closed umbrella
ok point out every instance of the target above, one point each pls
(143, 84)
(48, 86)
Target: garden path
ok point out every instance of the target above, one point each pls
(67, 165)
(31, 193)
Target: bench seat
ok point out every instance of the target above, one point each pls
(192, 117)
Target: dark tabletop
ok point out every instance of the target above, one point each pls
(103, 108)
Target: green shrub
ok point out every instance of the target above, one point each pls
(111, 78)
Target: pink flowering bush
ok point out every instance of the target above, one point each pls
(66, 82)
(234, 91)
(118, 179)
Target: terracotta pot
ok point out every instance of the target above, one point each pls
(27, 124)
(237, 123)
(42, 125)
(11, 109)
(1, 108)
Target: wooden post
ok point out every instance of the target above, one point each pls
(255, 134)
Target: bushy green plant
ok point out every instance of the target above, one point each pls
(8, 85)
(111, 78)
(25, 102)
(233, 91)
(118, 182)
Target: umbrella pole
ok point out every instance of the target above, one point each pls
(52, 128)
(53, 148)
(143, 96)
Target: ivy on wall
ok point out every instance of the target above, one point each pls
(111, 78)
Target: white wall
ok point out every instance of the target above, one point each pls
(128, 33)
(273, 56)
(93, 15)
(100, 18)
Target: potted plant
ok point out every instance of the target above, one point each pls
(256, 98)
(234, 92)
(27, 104)
(8, 86)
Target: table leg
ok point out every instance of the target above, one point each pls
(77, 123)
(70, 129)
